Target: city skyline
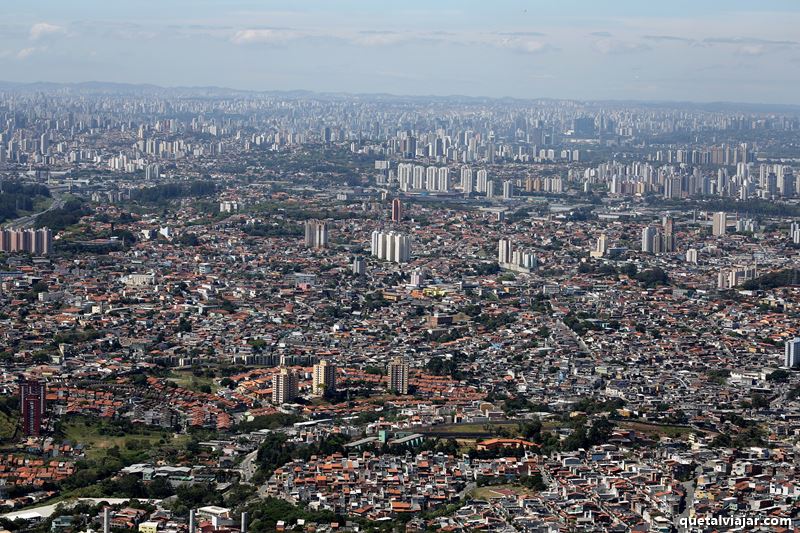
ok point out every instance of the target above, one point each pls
(525, 50)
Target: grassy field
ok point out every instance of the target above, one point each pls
(490, 493)
(187, 380)
(97, 440)
(655, 430)
(488, 429)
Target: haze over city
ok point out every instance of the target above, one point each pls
(712, 50)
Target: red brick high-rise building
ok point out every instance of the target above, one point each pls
(32, 397)
(397, 210)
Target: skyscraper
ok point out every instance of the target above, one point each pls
(324, 377)
(284, 386)
(32, 397)
(398, 375)
(397, 210)
(719, 223)
(792, 353)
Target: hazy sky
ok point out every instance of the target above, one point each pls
(701, 50)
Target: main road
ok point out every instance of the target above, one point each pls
(29, 220)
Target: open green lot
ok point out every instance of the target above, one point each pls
(494, 491)
(187, 380)
(98, 437)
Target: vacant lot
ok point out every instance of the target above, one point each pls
(98, 437)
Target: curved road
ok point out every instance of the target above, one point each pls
(28, 220)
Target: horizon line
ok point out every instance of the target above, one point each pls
(146, 85)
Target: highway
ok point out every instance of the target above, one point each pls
(29, 220)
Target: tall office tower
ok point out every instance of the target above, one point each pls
(398, 375)
(649, 235)
(316, 234)
(483, 178)
(508, 190)
(44, 143)
(284, 386)
(792, 353)
(324, 377)
(691, 256)
(444, 180)
(32, 397)
(669, 234)
(467, 183)
(397, 210)
(719, 223)
(504, 251)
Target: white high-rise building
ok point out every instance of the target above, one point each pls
(444, 180)
(483, 179)
(490, 189)
(719, 224)
(432, 178)
(467, 182)
(794, 232)
(391, 246)
(418, 181)
(404, 174)
(649, 234)
(508, 190)
(504, 254)
(792, 353)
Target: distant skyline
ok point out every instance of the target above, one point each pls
(701, 51)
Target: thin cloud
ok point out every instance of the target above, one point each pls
(265, 36)
(667, 38)
(616, 47)
(748, 40)
(44, 29)
(523, 42)
(25, 53)
(522, 34)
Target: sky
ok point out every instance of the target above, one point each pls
(680, 50)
